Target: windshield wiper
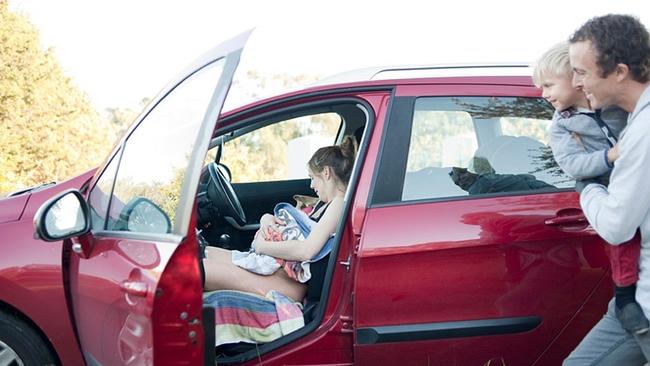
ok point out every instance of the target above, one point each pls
(30, 189)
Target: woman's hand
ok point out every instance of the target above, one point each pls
(259, 241)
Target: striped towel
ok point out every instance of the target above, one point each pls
(250, 318)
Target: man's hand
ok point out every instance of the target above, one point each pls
(581, 184)
(612, 154)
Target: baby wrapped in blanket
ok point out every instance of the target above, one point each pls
(296, 225)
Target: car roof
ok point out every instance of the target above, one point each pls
(389, 76)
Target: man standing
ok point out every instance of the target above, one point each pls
(610, 57)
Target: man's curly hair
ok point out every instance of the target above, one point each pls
(618, 39)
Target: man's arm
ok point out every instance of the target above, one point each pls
(617, 211)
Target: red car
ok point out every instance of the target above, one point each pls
(462, 243)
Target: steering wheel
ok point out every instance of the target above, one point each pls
(223, 196)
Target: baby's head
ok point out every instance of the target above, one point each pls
(553, 74)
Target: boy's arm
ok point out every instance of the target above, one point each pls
(572, 157)
(617, 211)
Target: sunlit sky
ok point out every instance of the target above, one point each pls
(121, 51)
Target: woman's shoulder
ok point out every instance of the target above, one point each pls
(335, 205)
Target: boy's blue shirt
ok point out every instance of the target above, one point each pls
(589, 159)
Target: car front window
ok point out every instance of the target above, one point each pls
(280, 151)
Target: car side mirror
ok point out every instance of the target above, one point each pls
(62, 217)
(144, 216)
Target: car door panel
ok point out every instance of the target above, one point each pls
(501, 272)
(116, 272)
(115, 294)
(475, 261)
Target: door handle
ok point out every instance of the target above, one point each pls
(564, 220)
(134, 288)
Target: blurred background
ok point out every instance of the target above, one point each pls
(74, 74)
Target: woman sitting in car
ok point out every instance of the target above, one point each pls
(329, 169)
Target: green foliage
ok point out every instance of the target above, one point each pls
(163, 194)
(446, 137)
(120, 119)
(262, 154)
(48, 129)
(430, 130)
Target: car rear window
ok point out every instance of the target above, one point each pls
(462, 146)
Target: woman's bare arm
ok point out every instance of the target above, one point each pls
(302, 250)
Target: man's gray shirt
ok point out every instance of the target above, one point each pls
(615, 212)
(586, 160)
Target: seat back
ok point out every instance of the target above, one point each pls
(430, 182)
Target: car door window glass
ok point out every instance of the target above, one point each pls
(280, 151)
(100, 195)
(157, 153)
(480, 145)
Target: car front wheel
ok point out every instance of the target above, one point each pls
(21, 345)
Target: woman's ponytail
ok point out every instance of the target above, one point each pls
(338, 157)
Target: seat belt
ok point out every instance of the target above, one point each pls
(612, 139)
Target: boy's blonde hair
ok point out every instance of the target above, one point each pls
(554, 62)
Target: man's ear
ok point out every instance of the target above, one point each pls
(621, 71)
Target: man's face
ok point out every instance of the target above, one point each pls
(600, 91)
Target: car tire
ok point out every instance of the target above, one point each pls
(20, 344)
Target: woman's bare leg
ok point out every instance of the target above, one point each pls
(222, 274)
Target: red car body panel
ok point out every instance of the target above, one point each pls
(31, 273)
(12, 208)
(332, 342)
(483, 265)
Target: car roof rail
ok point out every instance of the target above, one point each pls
(411, 72)
(430, 71)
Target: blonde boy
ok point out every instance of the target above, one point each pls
(584, 144)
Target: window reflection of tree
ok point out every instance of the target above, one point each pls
(545, 161)
(164, 194)
(498, 107)
(430, 129)
(518, 107)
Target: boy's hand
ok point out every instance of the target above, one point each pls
(612, 154)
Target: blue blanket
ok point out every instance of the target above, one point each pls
(298, 226)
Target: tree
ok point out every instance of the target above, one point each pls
(48, 128)
(262, 154)
(119, 119)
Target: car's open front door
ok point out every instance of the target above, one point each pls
(134, 282)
